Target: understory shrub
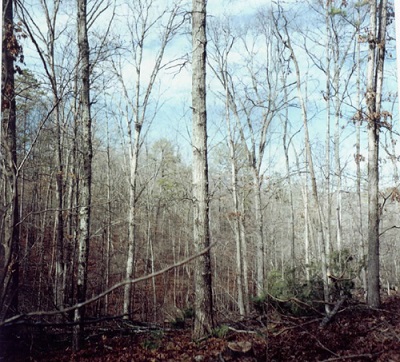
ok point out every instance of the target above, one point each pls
(294, 295)
(290, 296)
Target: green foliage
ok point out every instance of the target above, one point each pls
(297, 296)
(337, 11)
(178, 323)
(188, 313)
(220, 331)
(361, 4)
(154, 340)
(343, 262)
(179, 320)
(344, 269)
(167, 185)
(278, 286)
(290, 295)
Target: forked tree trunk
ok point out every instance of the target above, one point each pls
(204, 320)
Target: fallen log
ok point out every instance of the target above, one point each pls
(332, 314)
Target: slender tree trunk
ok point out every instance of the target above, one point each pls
(236, 227)
(86, 179)
(338, 171)
(59, 286)
(286, 144)
(59, 269)
(327, 97)
(9, 263)
(138, 108)
(133, 158)
(237, 217)
(376, 57)
(260, 287)
(72, 202)
(243, 247)
(204, 319)
(306, 230)
(109, 220)
(358, 157)
(320, 220)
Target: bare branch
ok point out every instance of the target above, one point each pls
(106, 292)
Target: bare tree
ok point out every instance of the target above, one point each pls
(143, 19)
(285, 38)
(44, 42)
(253, 102)
(236, 219)
(204, 319)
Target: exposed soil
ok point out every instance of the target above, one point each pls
(357, 333)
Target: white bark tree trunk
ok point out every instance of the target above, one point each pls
(320, 221)
(86, 178)
(236, 217)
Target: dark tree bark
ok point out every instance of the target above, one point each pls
(8, 155)
(204, 321)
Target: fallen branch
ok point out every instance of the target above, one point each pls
(297, 301)
(295, 326)
(339, 358)
(330, 315)
(242, 331)
(106, 292)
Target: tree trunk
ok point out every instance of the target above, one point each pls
(133, 158)
(108, 222)
(85, 187)
(327, 98)
(236, 221)
(358, 157)
(286, 144)
(317, 204)
(376, 57)
(204, 319)
(260, 288)
(9, 263)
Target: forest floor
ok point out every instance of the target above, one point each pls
(356, 333)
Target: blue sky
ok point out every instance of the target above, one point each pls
(173, 120)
